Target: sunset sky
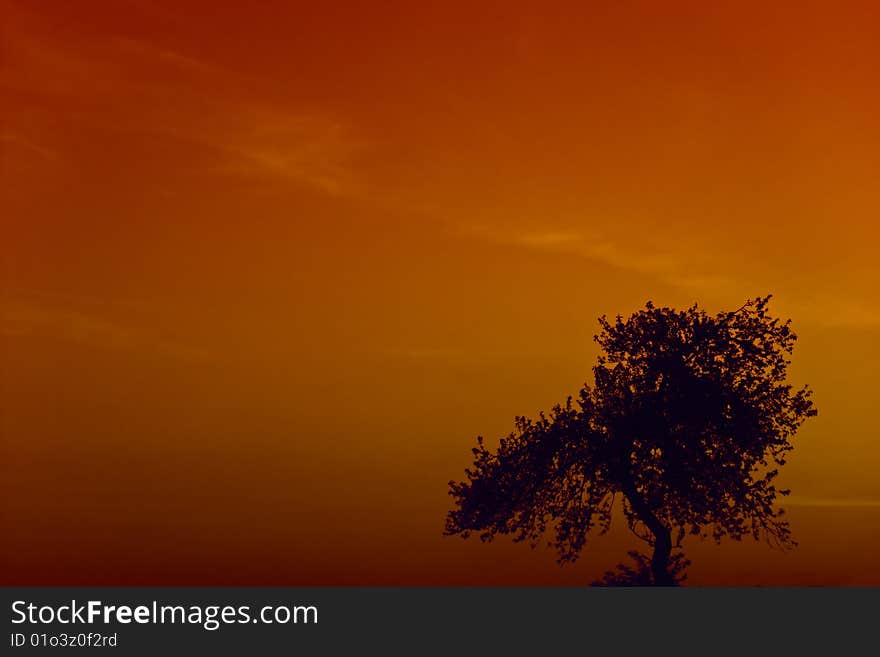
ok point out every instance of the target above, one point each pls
(269, 268)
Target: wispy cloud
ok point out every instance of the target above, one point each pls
(839, 311)
(705, 276)
(13, 140)
(154, 92)
(310, 149)
(145, 50)
(95, 326)
(427, 354)
(648, 259)
(832, 502)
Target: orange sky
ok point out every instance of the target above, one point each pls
(268, 271)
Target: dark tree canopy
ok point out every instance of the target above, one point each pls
(686, 424)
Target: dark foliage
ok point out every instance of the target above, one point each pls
(639, 574)
(686, 424)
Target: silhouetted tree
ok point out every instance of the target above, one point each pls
(687, 420)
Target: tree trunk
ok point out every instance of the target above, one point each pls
(662, 537)
(660, 559)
